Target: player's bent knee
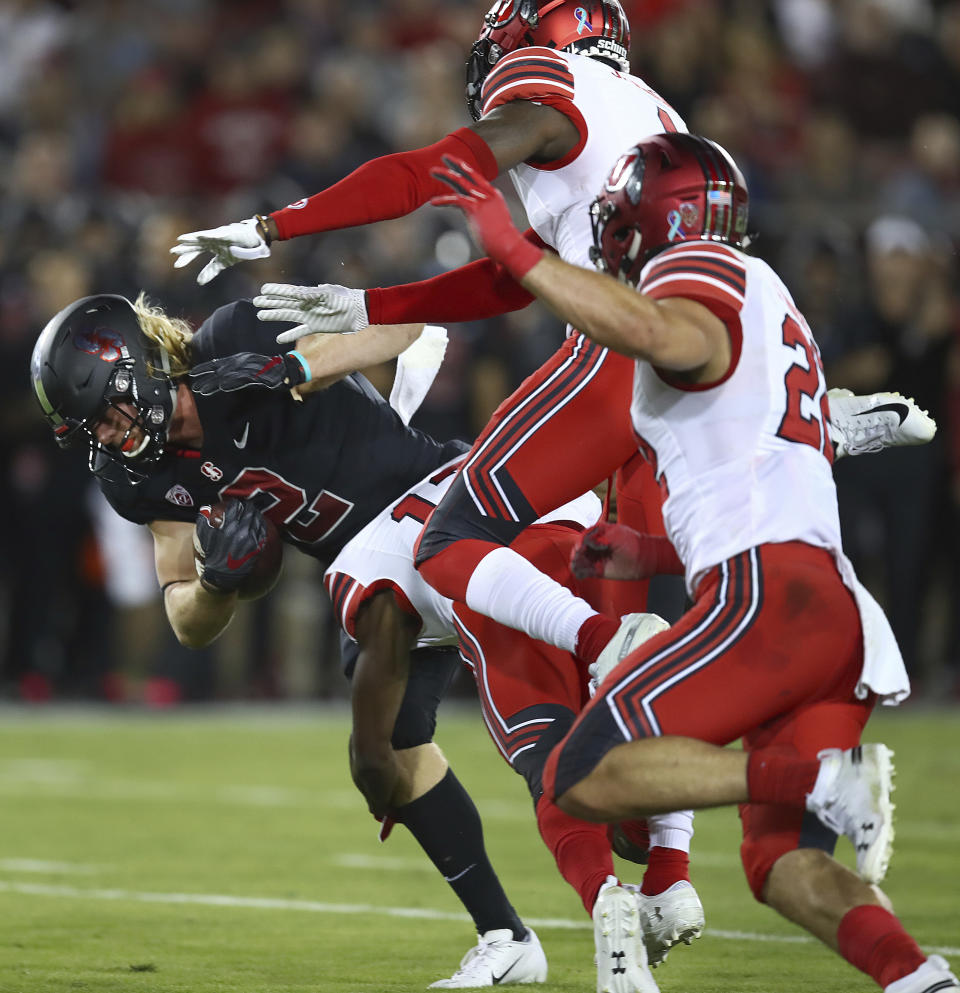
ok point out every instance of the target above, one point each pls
(758, 862)
(584, 801)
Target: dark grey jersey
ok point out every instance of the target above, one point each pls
(320, 469)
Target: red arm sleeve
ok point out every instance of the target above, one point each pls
(477, 290)
(384, 188)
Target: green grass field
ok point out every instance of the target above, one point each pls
(228, 851)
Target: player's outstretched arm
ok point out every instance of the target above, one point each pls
(389, 186)
(197, 615)
(385, 635)
(331, 358)
(472, 292)
(676, 334)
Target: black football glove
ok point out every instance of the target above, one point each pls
(243, 369)
(226, 555)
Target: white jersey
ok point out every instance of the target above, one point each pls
(747, 460)
(612, 111)
(380, 557)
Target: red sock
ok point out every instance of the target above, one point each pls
(773, 777)
(874, 941)
(581, 850)
(666, 867)
(593, 636)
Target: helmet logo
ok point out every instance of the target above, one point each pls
(621, 172)
(583, 20)
(689, 215)
(105, 343)
(211, 471)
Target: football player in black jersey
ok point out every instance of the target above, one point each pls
(317, 451)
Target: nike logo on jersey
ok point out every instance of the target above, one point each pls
(241, 442)
(233, 563)
(900, 409)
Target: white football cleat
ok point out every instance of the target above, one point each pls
(931, 977)
(499, 960)
(852, 796)
(621, 957)
(861, 424)
(668, 918)
(634, 630)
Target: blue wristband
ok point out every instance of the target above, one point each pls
(305, 364)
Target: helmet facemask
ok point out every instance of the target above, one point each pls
(125, 389)
(506, 26)
(617, 243)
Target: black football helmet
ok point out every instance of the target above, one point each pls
(93, 355)
(598, 28)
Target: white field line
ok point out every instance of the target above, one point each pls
(317, 907)
(52, 868)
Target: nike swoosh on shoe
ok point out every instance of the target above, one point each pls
(900, 409)
(503, 975)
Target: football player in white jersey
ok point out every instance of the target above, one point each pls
(548, 84)
(783, 647)
(530, 694)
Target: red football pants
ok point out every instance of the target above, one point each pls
(771, 652)
(564, 431)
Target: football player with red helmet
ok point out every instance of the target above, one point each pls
(783, 647)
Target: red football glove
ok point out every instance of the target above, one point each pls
(487, 215)
(614, 551)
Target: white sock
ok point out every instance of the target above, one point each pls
(671, 830)
(508, 588)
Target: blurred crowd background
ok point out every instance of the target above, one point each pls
(126, 122)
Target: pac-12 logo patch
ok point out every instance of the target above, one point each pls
(689, 215)
(179, 495)
(105, 343)
(297, 204)
(211, 471)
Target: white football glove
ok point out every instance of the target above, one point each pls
(228, 245)
(328, 309)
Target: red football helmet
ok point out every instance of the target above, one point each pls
(667, 189)
(598, 28)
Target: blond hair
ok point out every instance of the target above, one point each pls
(172, 334)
